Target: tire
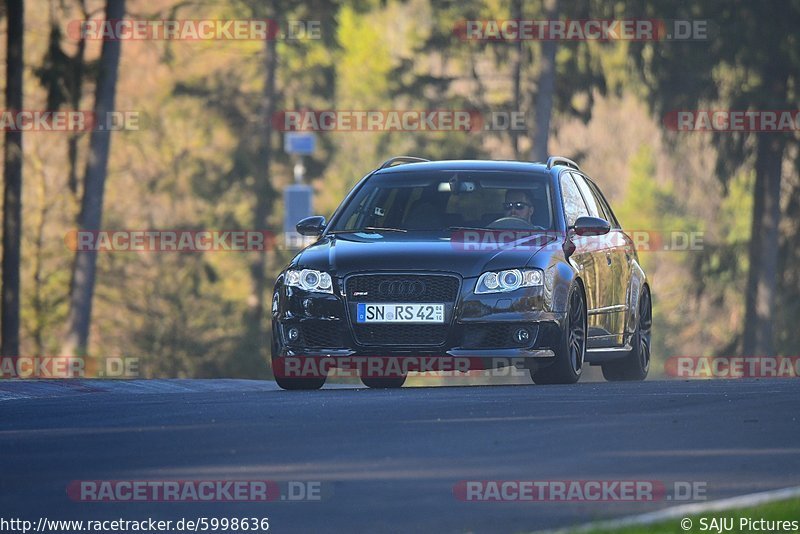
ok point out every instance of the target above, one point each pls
(383, 382)
(570, 355)
(300, 383)
(636, 364)
(292, 383)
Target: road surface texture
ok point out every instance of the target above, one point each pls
(388, 460)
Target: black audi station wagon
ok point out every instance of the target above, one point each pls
(487, 262)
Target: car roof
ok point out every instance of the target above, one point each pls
(466, 165)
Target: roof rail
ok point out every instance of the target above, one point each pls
(400, 159)
(559, 160)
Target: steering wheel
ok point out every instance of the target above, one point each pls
(512, 223)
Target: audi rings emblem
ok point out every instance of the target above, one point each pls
(401, 288)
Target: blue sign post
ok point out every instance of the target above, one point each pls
(297, 198)
(301, 143)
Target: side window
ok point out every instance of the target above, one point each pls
(601, 201)
(588, 196)
(574, 206)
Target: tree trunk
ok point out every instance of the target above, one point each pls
(263, 193)
(76, 92)
(545, 89)
(516, 71)
(12, 192)
(85, 266)
(762, 277)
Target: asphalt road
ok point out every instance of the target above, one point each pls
(389, 460)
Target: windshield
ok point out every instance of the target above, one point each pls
(441, 200)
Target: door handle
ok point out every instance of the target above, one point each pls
(608, 258)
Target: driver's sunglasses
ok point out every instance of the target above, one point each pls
(516, 205)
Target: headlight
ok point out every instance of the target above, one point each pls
(310, 280)
(509, 280)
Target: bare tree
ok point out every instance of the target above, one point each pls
(762, 276)
(90, 218)
(12, 192)
(516, 72)
(264, 191)
(75, 93)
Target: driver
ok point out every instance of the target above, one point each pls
(518, 204)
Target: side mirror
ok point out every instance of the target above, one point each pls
(591, 226)
(313, 226)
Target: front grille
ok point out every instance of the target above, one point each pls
(373, 288)
(493, 336)
(402, 288)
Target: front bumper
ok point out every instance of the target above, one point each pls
(478, 327)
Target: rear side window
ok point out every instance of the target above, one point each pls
(574, 206)
(603, 204)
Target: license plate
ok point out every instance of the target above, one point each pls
(400, 313)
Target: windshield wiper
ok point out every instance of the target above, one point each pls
(456, 228)
(382, 229)
(368, 229)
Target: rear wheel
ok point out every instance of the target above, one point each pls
(383, 382)
(636, 364)
(566, 369)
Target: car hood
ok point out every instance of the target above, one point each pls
(343, 254)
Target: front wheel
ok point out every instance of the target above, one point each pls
(300, 383)
(636, 364)
(567, 367)
(383, 382)
(284, 381)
